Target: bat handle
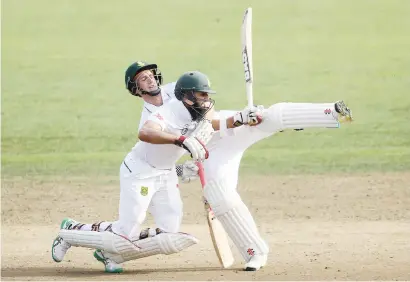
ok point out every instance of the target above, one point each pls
(249, 93)
(202, 178)
(201, 173)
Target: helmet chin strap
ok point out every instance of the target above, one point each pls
(151, 93)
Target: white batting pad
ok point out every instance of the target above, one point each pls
(282, 116)
(124, 249)
(236, 219)
(164, 243)
(106, 240)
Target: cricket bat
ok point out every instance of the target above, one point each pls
(216, 230)
(246, 40)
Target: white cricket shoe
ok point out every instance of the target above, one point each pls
(60, 247)
(110, 265)
(256, 263)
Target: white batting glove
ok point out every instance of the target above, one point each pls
(194, 146)
(203, 131)
(250, 115)
(189, 171)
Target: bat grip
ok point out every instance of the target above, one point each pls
(201, 173)
(202, 178)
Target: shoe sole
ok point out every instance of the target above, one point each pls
(252, 268)
(52, 249)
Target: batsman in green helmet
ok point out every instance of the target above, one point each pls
(194, 89)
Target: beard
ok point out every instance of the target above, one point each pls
(198, 110)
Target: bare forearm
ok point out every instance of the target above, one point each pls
(230, 123)
(216, 124)
(154, 136)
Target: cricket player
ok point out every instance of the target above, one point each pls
(148, 176)
(226, 150)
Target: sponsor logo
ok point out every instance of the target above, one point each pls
(159, 116)
(144, 190)
(245, 62)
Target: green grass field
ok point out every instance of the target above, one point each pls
(65, 109)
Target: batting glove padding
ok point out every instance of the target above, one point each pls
(203, 131)
(194, 146)
(250, 115)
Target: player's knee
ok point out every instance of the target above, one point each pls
(170, 224)
(169, 220)
(221, 197)
(129, 229)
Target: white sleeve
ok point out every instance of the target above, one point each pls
(227, 113)
(157, 117)
(222, 127)
(168, 89)
(223, 116)
(144, 116)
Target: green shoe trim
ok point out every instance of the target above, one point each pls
(66, 222)
(102, 260)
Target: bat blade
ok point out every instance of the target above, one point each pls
(218, 235)
(247, 60)
(219, 240)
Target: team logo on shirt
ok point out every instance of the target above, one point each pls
(159, 116)
(185, 129)
(144, 190)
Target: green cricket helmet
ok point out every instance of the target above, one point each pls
(133, 70)
(185, 88)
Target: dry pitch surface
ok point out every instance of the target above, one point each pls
(318, 228)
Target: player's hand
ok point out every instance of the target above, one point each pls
(255, 115)
(194, 146)
(250, 115)
(189, 171)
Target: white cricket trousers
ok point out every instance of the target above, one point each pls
(146, 189)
